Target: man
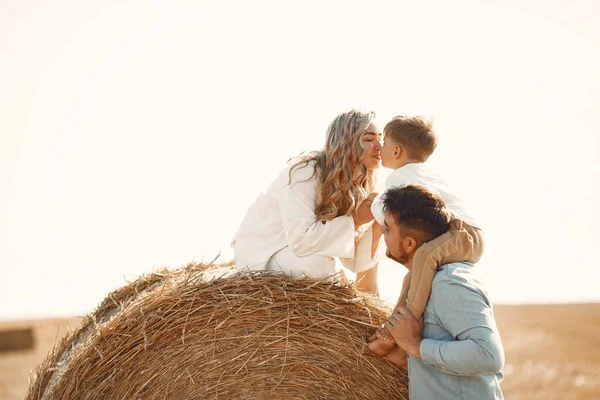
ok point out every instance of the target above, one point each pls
(456, 353)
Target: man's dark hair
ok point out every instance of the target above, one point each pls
(419, 210)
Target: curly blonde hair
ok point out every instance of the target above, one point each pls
(339, 190)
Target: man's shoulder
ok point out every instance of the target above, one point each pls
(457, 273)
(456, 281)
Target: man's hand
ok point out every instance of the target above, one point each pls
(363, 214)
(406, 330)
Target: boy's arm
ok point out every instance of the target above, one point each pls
(396, 178)
(377, 209)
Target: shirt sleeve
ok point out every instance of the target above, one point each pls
(467, 315)
(396, 178)
(362, 259)
(304, 234)
(377, 209)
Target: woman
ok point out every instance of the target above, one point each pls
(319, 208)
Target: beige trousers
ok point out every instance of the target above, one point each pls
(462, 242)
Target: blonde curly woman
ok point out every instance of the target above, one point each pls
(318, 208)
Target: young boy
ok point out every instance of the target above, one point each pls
(408, 143)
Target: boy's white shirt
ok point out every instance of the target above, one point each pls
(284, 215)
(421, 174)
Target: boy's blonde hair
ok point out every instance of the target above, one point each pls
(414, 134)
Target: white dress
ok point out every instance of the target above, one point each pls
(280, 231)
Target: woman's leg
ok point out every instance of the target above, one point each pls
(379, 342)
(366, 281)
(242, 263)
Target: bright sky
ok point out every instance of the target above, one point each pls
(135, 135)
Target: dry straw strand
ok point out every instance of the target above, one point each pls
(244, 335)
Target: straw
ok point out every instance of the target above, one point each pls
(247, 335)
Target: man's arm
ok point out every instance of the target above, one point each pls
(467, 315)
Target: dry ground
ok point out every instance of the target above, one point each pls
(552, 352)
(16, 365)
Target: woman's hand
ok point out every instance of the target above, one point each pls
(363, 215)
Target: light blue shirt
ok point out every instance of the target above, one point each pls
(462, 355)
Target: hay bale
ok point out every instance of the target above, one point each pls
(16, 340)
(179, 335)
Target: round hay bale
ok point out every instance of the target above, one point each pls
(184, 335)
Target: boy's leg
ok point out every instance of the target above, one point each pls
(382, 342)
(478, 243)
(398, 357)
(455, 245)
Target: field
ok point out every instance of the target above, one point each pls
(552, 351)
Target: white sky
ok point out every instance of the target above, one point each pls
(134, 135)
